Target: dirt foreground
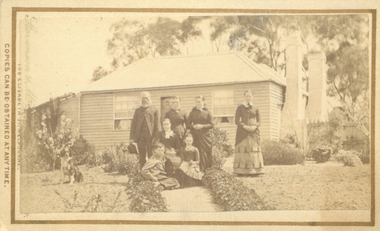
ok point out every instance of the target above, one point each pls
(328, 186)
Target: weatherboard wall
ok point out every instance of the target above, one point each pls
(97, 110)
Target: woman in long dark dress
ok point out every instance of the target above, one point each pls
(177, 117)
(248, 156)
(200, 124)
(191, 174)
(172, 145)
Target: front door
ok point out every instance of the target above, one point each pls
(165, 106)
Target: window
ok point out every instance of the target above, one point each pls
(223, 106)
(125, 107)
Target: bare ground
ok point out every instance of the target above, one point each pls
(327, 186)
(38, 193)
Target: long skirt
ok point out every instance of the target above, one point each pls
(202, 141)
(248, 157)
(190, 175)
(172, 166)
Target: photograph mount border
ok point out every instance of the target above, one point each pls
(15, 10)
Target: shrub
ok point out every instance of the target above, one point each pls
(330, 134)
(93, 159)
(230, 192)
(84, 153)
(54, 143)
(119, 160)
(275, 152)
(221, 149)
(144, 196)
(35, 160)
(218, 159)
(364, 157)
(320, 154)
(348, 158)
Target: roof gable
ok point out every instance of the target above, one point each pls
(176, 71)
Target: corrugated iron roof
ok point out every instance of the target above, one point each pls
(175, 71)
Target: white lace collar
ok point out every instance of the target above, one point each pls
(168, 134)
(248, 104)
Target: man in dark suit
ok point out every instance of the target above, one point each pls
(145, 124)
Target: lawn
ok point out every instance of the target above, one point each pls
(100, 192)
(328, 186)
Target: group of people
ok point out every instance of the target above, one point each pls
(178, 155)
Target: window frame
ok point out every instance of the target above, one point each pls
(230, 117)
(115, 95)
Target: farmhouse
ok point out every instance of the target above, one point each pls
(103, 112)
(107, 106)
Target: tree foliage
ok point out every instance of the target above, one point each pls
(344, 38)
(134, 40)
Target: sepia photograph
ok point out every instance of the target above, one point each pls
(168, 116)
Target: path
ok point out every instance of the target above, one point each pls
(194, 199)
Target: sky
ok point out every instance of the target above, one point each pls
(64, 51)
(60, 51)
(63, 54)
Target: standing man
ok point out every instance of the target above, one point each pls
(145, 124)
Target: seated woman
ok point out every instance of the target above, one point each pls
(191, 174)
(172, 144)
(153, 169)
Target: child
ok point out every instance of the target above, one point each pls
(191, 174)
(153, 169)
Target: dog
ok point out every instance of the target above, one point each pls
(68, 168)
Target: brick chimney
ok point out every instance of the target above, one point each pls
(316, 110)
(293, 113)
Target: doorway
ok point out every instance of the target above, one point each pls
(165, 106)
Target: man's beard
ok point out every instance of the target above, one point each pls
(145, 103)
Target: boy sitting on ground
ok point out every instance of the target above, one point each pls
(154, 169)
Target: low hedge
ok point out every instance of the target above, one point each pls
(116, 160)
(320, 154)
(348, 158)
(231, 193)
(275, 152)
(144, 196)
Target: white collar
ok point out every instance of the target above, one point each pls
(168, 134)
(248, 104)
(189, 148)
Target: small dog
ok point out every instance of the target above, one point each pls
(68, 168)
(78, 176)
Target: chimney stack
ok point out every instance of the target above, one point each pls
(293, 112)
(317, 105)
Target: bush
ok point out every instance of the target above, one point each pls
(230, 192)
(84, 153)
(348, 158)
(119, 160)
(320, 154)
(218, 159)
(35, 160)
(221, 149)
(93, 159)
(144, 196)
(364, 157)
(275, 152)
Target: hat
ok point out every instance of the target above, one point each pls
(132, 149)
